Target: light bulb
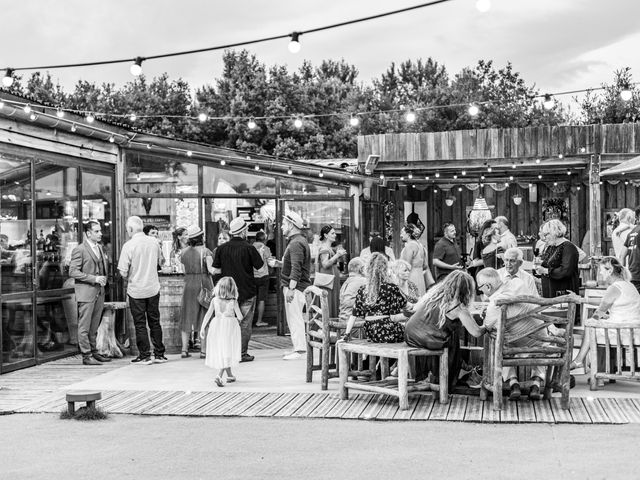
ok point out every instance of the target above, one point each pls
(511, 178)
(7, 80)
(33, 116)
(59, 113)
(402, 179)
(297, 122)
(256, 168)
(455, 177)
(112, 139)
(538, 160)
(427, 177)
(513, 166)
(251, 124)
(410, 175)
(625, 94)
(148, 146)
(568, 172)
(294, 44)
(354, 121)
(289, 171)
(437, 174)
(136, 67)
(382, 176)
(539, 177)
(73, 127)
(548, 102)
(473, 110)
(481, 177)
(489, 169)
(578, 187)
(321, 174)
(133, 117)
(222, 162)
(483, 6)
(202, 117)
(90, 118)
(464, 172)
(560, 155)
(189, 153)
(410, 116)
(27, 109)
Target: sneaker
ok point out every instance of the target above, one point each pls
(261, 324)
(293, 356)
(160, 359)
(246, 358)
(515, 392)
(142, 360)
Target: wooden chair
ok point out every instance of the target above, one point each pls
(615, 341)
(399, 386)
(501, 350)
(322, 333)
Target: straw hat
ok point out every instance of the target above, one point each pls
(194, 231)
(237, 226)
(295, 219)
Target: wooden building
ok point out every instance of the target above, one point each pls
(525, 174)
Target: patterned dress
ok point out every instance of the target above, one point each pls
(390, 301)
(195, 273)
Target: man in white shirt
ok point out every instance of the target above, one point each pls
(138, 264)
(489, 284)
(507, 239)
(513, 260)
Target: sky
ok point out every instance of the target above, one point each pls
(556, 45)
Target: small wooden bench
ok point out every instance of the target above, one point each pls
(87, 396)
(106, 341)
(398, 387)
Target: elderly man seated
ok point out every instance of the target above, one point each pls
(350, 287)
(491, 285)
(513, 260)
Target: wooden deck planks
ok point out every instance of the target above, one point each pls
(211, 403)
(457, 408)
(422, 410)
(613, 410)
(358, 406)
(164, 398)
(489, 415)
(310, 405)
(473, 413)
(631, 409)
(389, 409)
(160, 408)
(526, 412)
(261, 404)
(290, 408)
(274, 407)
(544, 414)
(579, 414)
(595, 411)
(509, 412)
(248, 402)
(376, 404)
(342, 406)
(326, 406)
(560, 415)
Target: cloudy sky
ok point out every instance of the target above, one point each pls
(557, 45)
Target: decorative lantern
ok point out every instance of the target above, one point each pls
(479, 214)
(517, 199)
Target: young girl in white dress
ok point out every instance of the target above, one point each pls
(223, 338)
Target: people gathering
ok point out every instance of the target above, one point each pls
(421, 297)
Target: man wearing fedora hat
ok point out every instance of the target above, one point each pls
(237, 259)
(294, 278)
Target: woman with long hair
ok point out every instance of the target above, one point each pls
(620, 302)
(416, 255)
(380, 303)
(400, 272)
(197, 261)
(327, 262)
(180, 242)
(436, 319)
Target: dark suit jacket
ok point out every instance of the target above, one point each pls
(84, 268)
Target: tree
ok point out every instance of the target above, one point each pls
(609, 107)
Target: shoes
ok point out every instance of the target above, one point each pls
(534, 393)
(142, 360)
(261, 324)
(293, 356)
(160, 359)
(218, 381)
(515, 392)
(231, 379)
(246, 358)
(575, 365)
(101, 358)
(185, 355)
(204, 355)
(556, 387)
(90, 361)
(475, 379)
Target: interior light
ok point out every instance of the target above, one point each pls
(294, 44)
(136, 66)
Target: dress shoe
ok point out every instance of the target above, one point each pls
(90, 361)
(101, 358)
(515, 392)
(246, 358)
(534, 393)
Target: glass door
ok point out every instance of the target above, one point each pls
(17, 345)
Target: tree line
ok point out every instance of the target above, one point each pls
(249, 88)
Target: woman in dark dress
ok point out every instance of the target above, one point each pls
(559, 262)
(436, 321)
(198, 268)
(380, 303)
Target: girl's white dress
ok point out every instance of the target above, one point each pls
(223, 339)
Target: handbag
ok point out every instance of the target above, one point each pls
(324, 280)
(205, 295)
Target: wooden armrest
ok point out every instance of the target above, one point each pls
(593, 323)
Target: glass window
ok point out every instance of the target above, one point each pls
(229, 182)
(316, 215)
(15, 224)
(291, 186)
(152, 174)
(97, 194)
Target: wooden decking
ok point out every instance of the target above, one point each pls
(461, 408)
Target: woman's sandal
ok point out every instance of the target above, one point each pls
(185, 355)
(218, 381)
(575, 365)
(231, 379)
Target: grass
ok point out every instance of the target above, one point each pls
(85, 413)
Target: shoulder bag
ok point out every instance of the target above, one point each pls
(324, 280)
(205, 295)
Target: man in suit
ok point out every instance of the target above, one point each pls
(89, 267)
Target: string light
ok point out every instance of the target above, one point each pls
(489, 169)
(251, 124)
(559, 156)
(427, 177)
(112, 139)
(381, 176)
(189, 153)
(90, 118)
(33, 116)
(133, 117)
(289, 171)
(73, 127)
(202, 117)
(548, 102)
(410, 116)
(464, 172)
(294, 44)
(297, 123)
(538, 160)
(136, 67)
(148, 146)
(410, 175)
(354, 121)
(539, 177)
(625, 93)
(473, 110)
(7, 80)
(513, 166)
(27, 109)
(222, 162)
(321, 174)
(257, 167)
(437, 174)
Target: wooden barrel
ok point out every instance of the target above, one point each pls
(171, 288)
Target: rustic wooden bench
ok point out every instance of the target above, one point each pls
(87, 396)
(398, 387)
(106, 341)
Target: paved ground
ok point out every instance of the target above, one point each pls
(123, 447)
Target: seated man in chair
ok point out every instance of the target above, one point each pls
(490, 284)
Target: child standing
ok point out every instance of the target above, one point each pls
(223, 339)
